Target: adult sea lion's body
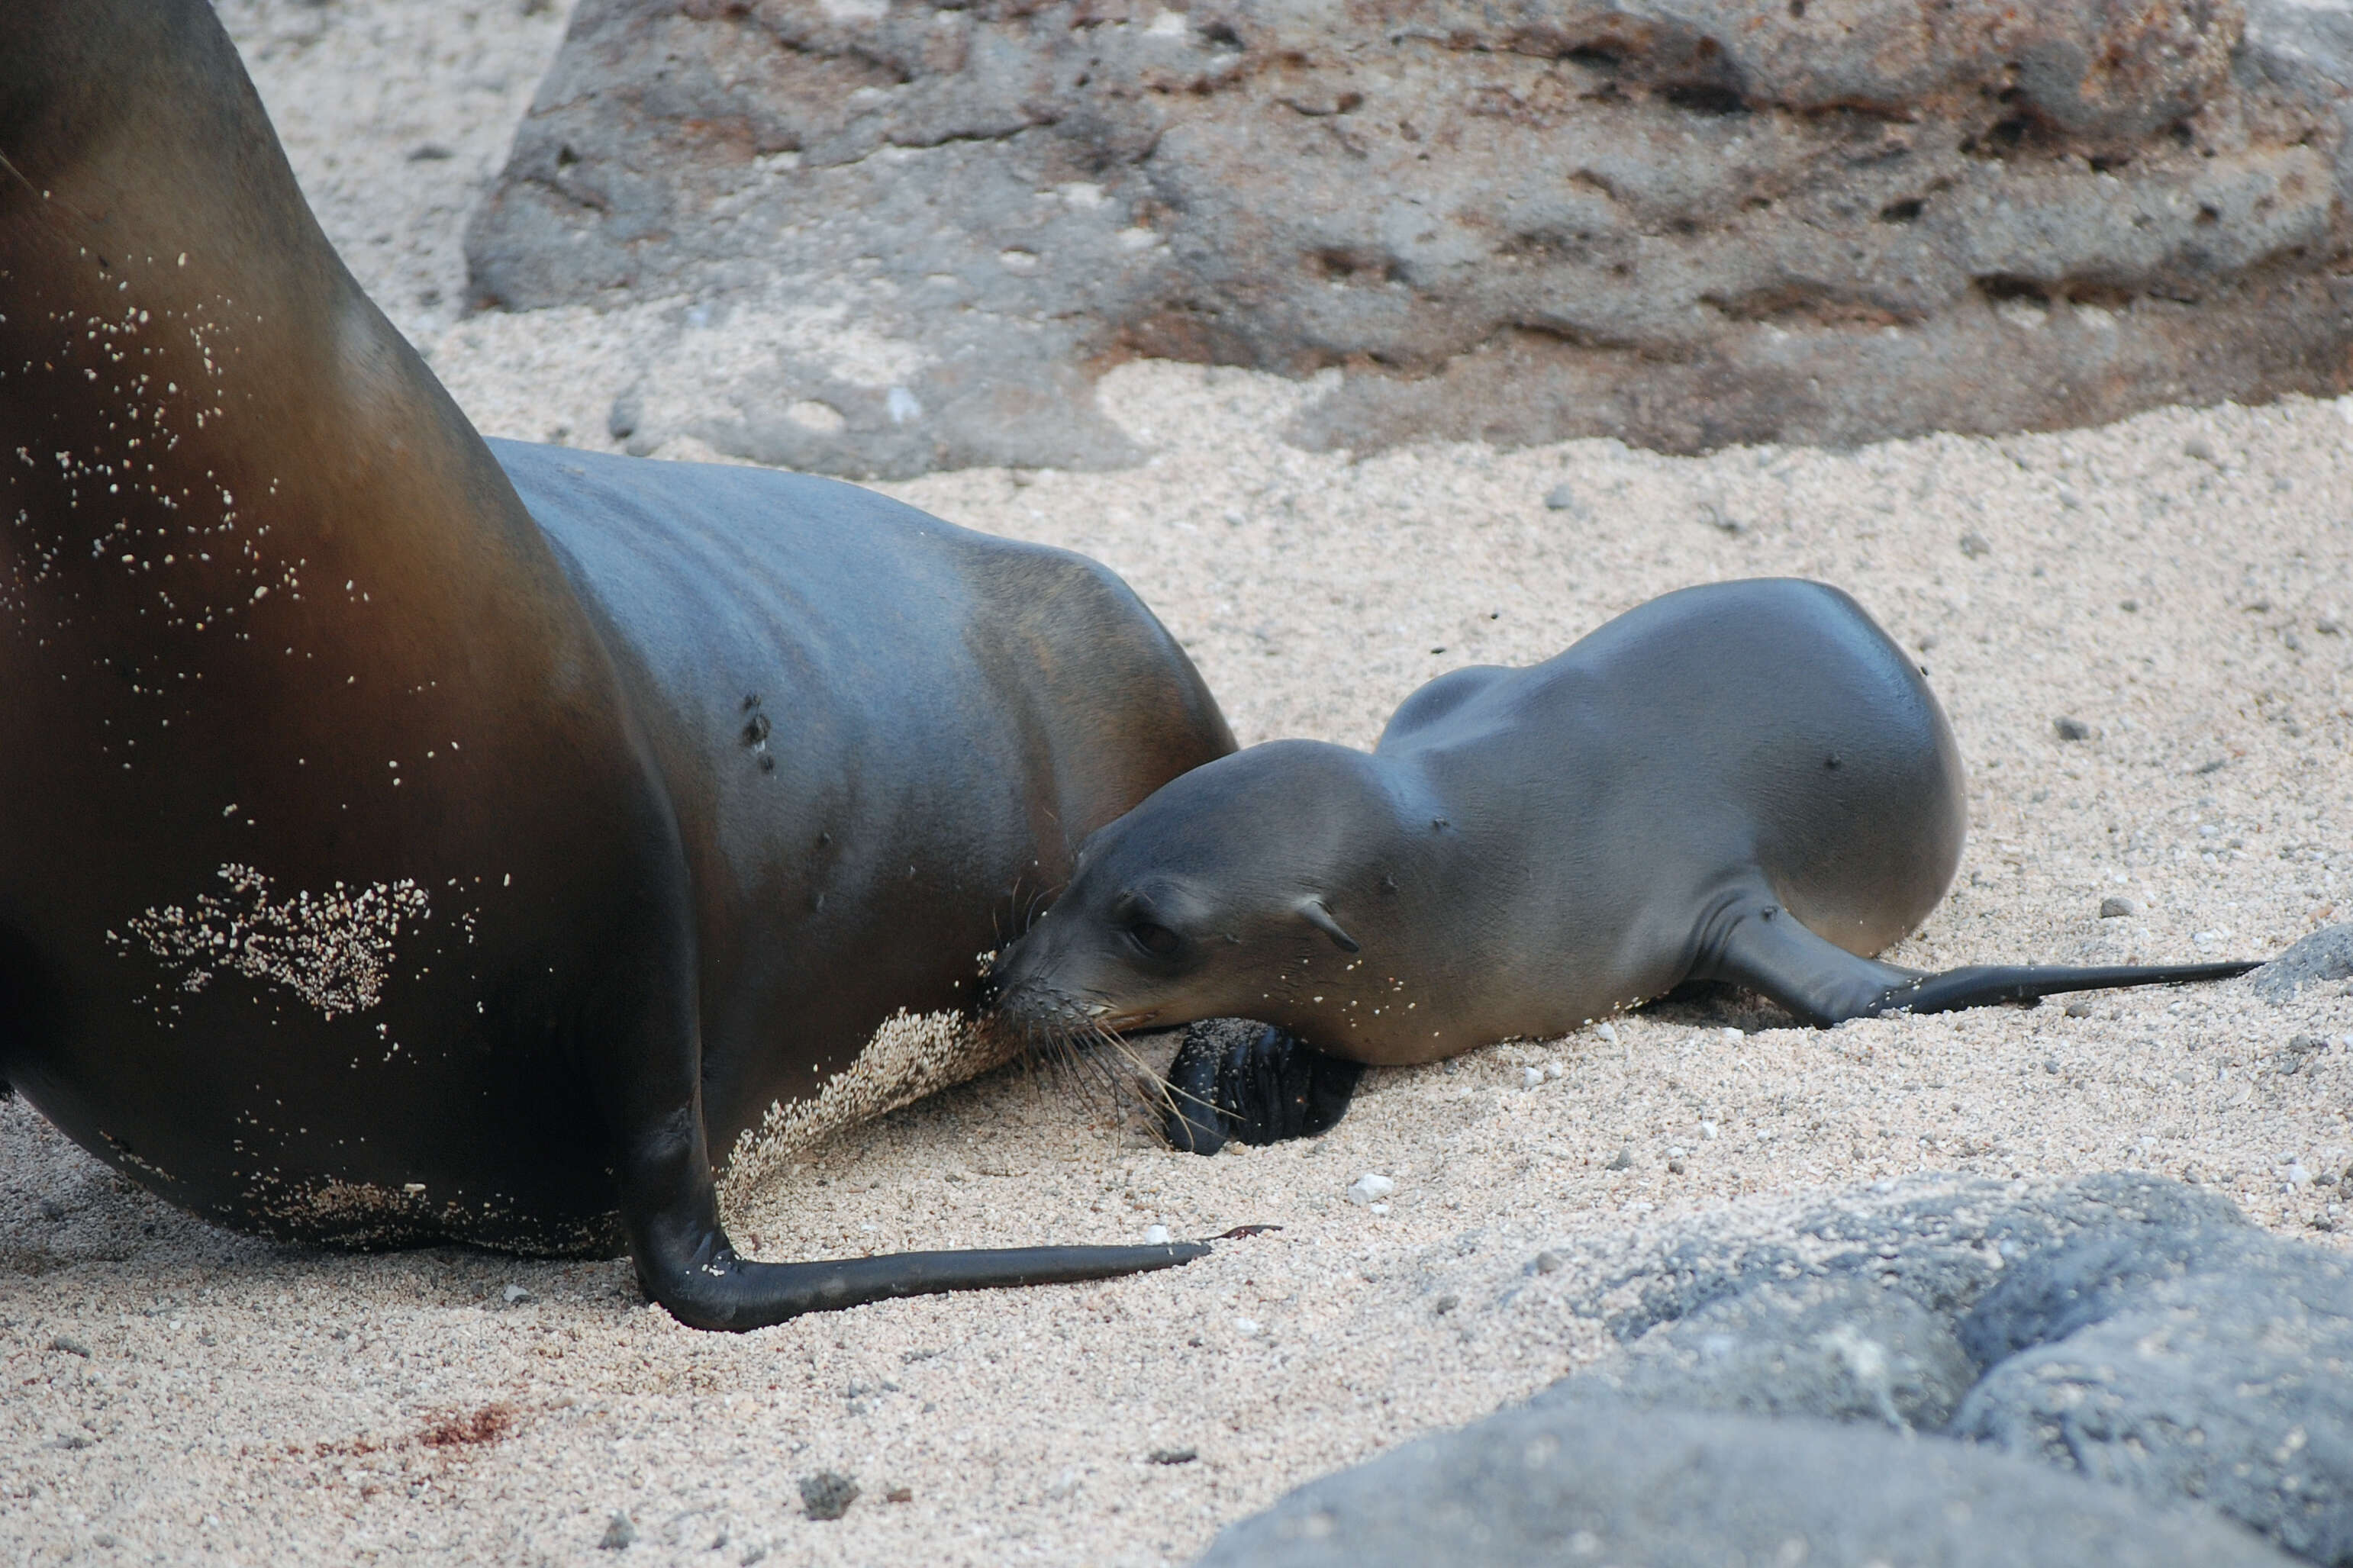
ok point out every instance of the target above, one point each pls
(403, 841)
(1744, 781)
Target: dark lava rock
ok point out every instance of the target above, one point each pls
(1683, 224)
(1843, 1349)
(1941, 1241)
(2325, 954)
(1594, 1480)
(2175, 1368)
(2206, 1364)
(828, 1494)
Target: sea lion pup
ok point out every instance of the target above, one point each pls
(1745, 781)
(404, 839)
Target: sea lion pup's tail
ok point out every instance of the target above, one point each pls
(1764, 948)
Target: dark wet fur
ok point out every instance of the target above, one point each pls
(1236, 1079)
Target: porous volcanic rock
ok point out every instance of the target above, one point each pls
(2117, 1368)
(1684, 223)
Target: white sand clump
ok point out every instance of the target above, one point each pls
(2181, 584)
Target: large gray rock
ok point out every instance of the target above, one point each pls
(2214, 1364)
(1595, 1482)
(917, 232)
(2131, 1331)
(1941, 1241)
(1841, 1348)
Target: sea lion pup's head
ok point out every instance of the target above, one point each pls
(1225, 894)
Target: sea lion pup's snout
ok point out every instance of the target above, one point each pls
(1211, 899)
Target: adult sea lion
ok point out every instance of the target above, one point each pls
(1745, 781)
(403, 839)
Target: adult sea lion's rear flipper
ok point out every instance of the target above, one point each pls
(1766, 949)
(1234, 1077)
(729, 1292)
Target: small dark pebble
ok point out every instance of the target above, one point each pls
(2114, 908)
(1172, 1456)
(70, 1346)
(430, 152)
(1623, 1161)
(1549, 1262)
(2216, 767)
(2198, 448)
(1446, 1303)
(1974, 545)
(1674, 1167)
(2072, 728)
(2050, 1065)
(73, 1442)
(1560, 498)
(828, 1494)
(2128, 605)
(2079, 1009)
(899, 1494)
(619, 1535)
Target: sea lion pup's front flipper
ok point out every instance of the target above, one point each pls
(1764, 947)
(1235, 1077)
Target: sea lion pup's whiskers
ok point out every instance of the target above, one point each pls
(1747, 782)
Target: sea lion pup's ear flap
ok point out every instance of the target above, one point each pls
(1314, 913)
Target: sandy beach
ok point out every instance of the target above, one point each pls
(2180, 585)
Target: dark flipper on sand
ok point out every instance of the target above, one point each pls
(730, 1292)
(1764, 949)
(1254, 1082)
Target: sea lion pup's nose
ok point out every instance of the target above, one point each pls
(1011, 996)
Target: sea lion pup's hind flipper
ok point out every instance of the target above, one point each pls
(1756, 944)
(1983, 984)
(1234, 1077)
(1763, 947)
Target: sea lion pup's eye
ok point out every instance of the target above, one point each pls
(1153, 938)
